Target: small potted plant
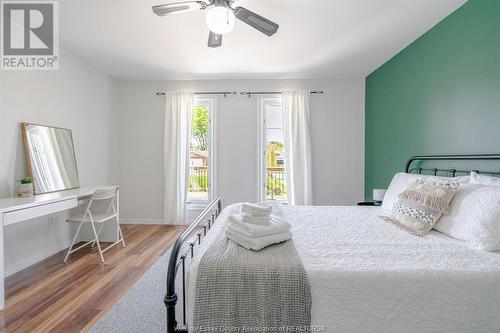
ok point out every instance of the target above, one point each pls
(25, 187)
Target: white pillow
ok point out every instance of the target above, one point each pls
(475, 217)
(401, 181)
(476, 178)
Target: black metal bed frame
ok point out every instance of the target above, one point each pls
(178, 260)
(453, 172)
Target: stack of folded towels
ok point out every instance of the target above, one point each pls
(256, 227)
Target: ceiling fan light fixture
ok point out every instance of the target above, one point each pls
(220, 19)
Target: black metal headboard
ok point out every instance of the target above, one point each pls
(410, 168)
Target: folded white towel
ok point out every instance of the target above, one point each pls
(258, 243)
(256, 209)
(245, 218)
(273, 225)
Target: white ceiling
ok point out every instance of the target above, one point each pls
(317, 38)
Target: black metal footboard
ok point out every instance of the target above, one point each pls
(178, 260)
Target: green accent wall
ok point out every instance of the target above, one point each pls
(439, 95)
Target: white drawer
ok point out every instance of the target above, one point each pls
(37, 211)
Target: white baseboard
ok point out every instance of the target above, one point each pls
(149, 221)
(27, 262)
(142, 221)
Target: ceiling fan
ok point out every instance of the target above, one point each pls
(220, 17)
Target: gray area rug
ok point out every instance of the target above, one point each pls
(141, 309)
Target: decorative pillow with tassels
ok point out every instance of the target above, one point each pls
(421, 205)
(431, 194)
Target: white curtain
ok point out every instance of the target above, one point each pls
(177, 147)
(296, 110)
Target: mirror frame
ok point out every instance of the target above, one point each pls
(29, 162)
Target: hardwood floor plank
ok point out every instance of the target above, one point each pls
(52, 296)
(75, 323)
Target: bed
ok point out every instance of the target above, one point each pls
(366, 275)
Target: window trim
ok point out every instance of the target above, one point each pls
(210, 102)
(261, 150)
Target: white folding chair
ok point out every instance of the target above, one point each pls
(109, 199)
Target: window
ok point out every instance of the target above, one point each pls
(201, 164)
(272, 152)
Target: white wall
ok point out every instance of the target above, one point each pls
(337, 141)
(76, 97)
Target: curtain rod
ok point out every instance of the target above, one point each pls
(225, 93)
(250, 93)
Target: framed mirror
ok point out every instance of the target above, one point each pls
(50, 155)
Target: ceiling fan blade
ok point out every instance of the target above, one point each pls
(256, 21)
(178, 7)
(214, 40)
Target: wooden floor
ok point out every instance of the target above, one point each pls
(53, 297)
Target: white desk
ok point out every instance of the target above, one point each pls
(15, 210)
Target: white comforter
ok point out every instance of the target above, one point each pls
(368, 276)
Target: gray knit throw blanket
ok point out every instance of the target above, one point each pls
(238, 290)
